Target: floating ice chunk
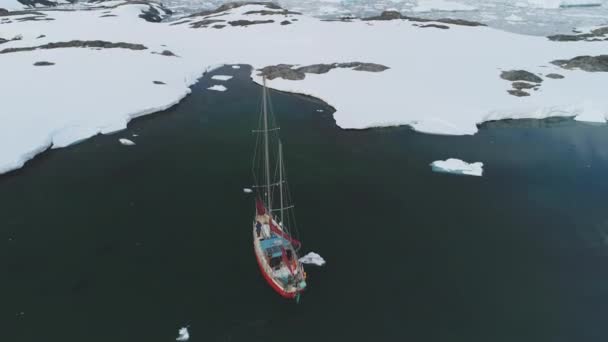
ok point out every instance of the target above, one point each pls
(514, 17)
(247, 190)
(217, 87)
(441, 5)
(320, 110)
(457, 166)
(236, 67)
(135, 135)
(312, 258)
(221, 77)
(184, 335)
(126, 142)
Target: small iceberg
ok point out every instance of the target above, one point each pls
(313, 258)
(236, 67)
(126, 142)
(217, 87)
(457, 166)
(221, 77)
(184, 335)
(247, 190)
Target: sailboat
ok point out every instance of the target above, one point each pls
(274, 228)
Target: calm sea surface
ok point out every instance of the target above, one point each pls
(101, 242)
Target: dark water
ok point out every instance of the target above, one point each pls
(104, 242)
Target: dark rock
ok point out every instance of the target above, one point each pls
(266, 12)
(249, 22)
(286, 71)
(592, 36)
(158, 82)
(443, 27)
(78, 43)
(218, 26)
(316, 68)
(43, 63)
(460, 22)
(285, 22)
(40, 36)
(520, 75)
(179, 22)
(283, 71)
(393, 15)
(236, 4)
(518, 93)
(35, 18)
(205, 22)
(108, 15)
(386, 15)
(523, 85)
(3, 11)
(586, 63)
(168, 53)
(554, 76)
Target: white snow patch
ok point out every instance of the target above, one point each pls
(126, 142)
(457, 166)
(514, 17)
(221, 77)
(441, 5)
(312, 258)
(247, 190)
(236, 67)
(217, 87)
(183, 334)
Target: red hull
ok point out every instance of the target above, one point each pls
(275, 287)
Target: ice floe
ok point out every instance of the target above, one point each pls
(247, 190)
(218, 87)
(221, 77)
(111, 82)
(183, 334)
(312, 258)
(457, 166)
(126, 142)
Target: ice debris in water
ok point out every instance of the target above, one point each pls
(247, 190)
(126, 142)
(221, 77)
(184, 335)
(313, 258)
(217, 87)
(457, 166)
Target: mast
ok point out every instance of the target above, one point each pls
(266, 154)
(281, 177)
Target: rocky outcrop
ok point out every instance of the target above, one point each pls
(78, 44)
(205, 23)
(167, 53)
(249, 22)
(520, 75)
(158, 82)
(518, 93)
(586, 63)
(285, 22)
(443, 27)
(43, 63)
(236, 4)
(3, 11)
(393, 15)
(554, 76)
(288, 72)
(266, 12)
(523, 85)
(599, 34)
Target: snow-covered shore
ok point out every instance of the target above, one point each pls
(442, 78)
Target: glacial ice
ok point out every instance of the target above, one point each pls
(126, 142)
(183, 334)
(221, 77)
(457, 166)
(218, 87)
(312, 258)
